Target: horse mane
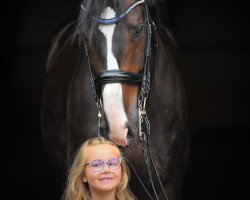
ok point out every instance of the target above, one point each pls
(86, 22)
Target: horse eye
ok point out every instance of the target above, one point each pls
(138, 30)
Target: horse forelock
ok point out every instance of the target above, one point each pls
(90, 11)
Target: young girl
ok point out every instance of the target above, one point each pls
(98, 172)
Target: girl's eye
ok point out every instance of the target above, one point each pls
(96, 163)
(138, 30)
(114, 161)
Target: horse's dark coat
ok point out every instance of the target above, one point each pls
(69, 113)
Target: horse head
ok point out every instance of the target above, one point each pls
(116, 36)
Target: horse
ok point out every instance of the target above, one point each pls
(107, 69)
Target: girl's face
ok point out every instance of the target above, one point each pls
(106, 180)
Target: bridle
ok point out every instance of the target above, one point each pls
(142, 80)
(121, 76)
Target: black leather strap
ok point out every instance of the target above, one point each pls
(116, 76)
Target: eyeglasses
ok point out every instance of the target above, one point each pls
(98, 165)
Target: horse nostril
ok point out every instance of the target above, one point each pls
(130, 135)
(130, 132)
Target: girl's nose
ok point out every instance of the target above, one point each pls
(106, 168)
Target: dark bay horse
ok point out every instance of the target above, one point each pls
(115, 61)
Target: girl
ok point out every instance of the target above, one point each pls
(98, 172)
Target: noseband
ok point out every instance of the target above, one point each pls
(142, 80)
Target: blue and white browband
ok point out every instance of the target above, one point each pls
(118, 18)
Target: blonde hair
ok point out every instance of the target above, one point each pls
(76, 189)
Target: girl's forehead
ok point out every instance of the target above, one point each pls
(102, 151)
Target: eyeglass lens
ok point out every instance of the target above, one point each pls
(98, 165)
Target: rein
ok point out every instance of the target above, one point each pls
(143, 80)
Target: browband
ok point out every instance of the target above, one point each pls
(119, 17)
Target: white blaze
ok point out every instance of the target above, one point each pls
(112, 93)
